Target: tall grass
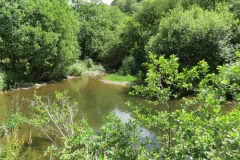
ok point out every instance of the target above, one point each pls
(10, 145)
(10, 142)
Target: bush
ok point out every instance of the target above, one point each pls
(10, 143)
(80, 67)
(194, 35)
(76, 69)
(14, 120)
(129, 66)
(88, 62)
(98, 68)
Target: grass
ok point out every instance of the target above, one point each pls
(11, 145)
(119, 78)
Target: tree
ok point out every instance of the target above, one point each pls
(126, 6)
(207, 4)
(234, 6)
(194, 35)
(98, 24)
(137, 29)
(38, 39)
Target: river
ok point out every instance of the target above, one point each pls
(95, 98)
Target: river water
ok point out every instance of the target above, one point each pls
(95, 98)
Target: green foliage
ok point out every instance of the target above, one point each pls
(76, 69)
(117, 140)
(206, 131)
(226, 82)
(164, 80)
(207, 4)
(81, 67)
(129, 66)
(88, 62)
(234, 8)
(151, 12)
(10, 142)
(53, 117)
(126, 6)
(75, 147)
(98, 24)
(194, 35)
(126, 43)
(14, 120)
(38, 42)
(114, 140)
(135, 31)
(98, 67)
(11, 146)
(2, 85)
(38, 39)
(231, 70)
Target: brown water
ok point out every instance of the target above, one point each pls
(95, 98)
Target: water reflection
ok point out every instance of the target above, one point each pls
(95, 98)
(126, 116)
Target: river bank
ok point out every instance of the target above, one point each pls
(25, 86)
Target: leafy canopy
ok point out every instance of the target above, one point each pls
(38, 39)
(194, 35)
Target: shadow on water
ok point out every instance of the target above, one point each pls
(36, 149)
(95, 98)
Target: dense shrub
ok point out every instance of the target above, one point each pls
(194, 35)
(14, 120)
(88, 62)
(80, 67)
(76, 69)
(129, 66)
